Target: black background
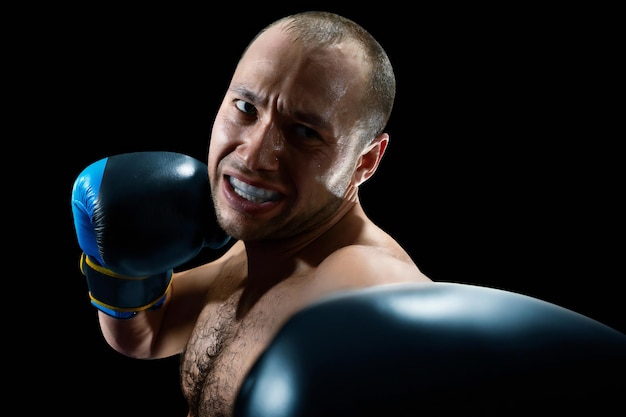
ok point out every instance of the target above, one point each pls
(500, 170)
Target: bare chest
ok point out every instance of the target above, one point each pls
(220, 352)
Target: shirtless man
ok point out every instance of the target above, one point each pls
(300, 128)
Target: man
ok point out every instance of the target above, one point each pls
(300, 129)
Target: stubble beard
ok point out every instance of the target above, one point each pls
(245, 228)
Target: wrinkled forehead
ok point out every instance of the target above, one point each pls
(277, 54)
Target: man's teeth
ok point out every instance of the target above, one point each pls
(254, 194)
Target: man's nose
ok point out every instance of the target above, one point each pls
(262, 147)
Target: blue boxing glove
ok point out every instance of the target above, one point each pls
(137, 216)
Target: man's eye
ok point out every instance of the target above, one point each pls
(245, 107)
(306, 132)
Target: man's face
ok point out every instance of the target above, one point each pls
(283, 146)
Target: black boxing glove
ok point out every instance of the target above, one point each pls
(455, 349)
(137, 216)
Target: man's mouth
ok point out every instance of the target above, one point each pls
(251, 193)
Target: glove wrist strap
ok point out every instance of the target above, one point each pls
(122, 296)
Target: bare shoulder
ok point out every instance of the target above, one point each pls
(364, 265)
(219, 270)
(193, 288)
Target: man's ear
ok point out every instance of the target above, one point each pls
(370, 158)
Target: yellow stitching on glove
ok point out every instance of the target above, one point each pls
(131, 309)
(103, 270)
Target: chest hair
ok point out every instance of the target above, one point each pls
(220, 352)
